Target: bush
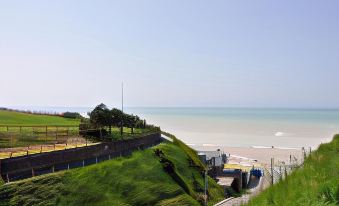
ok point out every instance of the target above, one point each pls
(71, 115)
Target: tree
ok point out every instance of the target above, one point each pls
(131, 121)
(101, 116)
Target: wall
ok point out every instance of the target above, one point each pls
(36, 164)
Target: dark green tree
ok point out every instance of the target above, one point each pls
(131, 121)
(101, 117)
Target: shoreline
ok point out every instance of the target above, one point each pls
(260, 155)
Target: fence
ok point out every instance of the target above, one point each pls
(280, 170)
(22, 167)
(22, 136)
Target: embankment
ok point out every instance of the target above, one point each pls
(139, 179)
(36, 164)
(316, 183)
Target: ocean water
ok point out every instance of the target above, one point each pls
(260, 128)
(237, 127)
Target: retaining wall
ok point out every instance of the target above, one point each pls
(36, 164)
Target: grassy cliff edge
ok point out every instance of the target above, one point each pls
(317, 183)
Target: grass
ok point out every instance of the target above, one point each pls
(18, 118)
(33, 128)
(136, 180)
(317, 183)
(127, 132)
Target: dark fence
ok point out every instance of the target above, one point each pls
(37, 164)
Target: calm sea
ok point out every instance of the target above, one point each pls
(284, 128)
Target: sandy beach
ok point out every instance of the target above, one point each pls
(262, 155)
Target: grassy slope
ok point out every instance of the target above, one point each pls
(17, 118)
(317, 183)
(136, 180)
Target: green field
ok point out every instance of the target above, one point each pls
(18, 118)
(21, 130)
(317, 183)
(136, 180)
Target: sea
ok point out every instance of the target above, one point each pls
(235, 127)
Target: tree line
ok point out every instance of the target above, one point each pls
(102, 117)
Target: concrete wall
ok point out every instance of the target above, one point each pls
(36, 164)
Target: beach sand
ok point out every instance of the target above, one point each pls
(262, 155)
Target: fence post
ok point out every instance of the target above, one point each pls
(33, 172)
(11, 140)
(56, 134)
(272, 178)
(46, 134)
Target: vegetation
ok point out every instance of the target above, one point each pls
(69, 123)
(19, 118)
(102, 118)
(136, 180)
(316, 183)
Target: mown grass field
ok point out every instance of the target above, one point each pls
(136, 180)
(20, 129)
(317, 183)
(24, 130)
(18, 118)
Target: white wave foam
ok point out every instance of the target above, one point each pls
(279, 134)
(261, 147)
(273, 147)
(287, 148)
(240, 157)
(209, 145)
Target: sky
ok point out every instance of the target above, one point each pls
(170, 53)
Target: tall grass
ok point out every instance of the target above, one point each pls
(317, 183)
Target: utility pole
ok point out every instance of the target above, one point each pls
(122, 109)
(206, 182)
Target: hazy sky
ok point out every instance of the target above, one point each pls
(170, 53)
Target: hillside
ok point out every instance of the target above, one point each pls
(18, 118)
(136, 180)
(317, 183)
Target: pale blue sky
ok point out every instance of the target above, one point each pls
(170, 53)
